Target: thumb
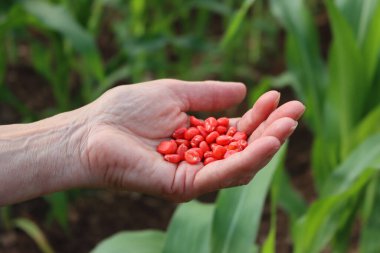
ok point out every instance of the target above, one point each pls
(207, 95)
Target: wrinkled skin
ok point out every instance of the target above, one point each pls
(126, 124)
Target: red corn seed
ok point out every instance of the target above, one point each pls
(204, 146)
(223, 140)
(240, 136)
(210, 124)
(200, 152)
(183, 141)
(192, 156)
(223, 121)
(213, 145)
(196, 122)
(179, 133)
(190, 133)
(209, 160)
(211, 137)
(242, 144)
(196, 140)
(231, 131)
(202, 130)
(181, 151)
(173, 158)
(229, 153)
(207, 154)
(167, 147)
(221, 129)
(218, 152)
(233, 145)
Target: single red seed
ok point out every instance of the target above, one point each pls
(190, 133)
(213, 145)
(196, 122)
(167, 147)
(242, 144)
(202, 130)
(210, 124)
(179, 133)
(181, 151)
(240, 136)
(233, 145)
(229, 153)
(200, 151)
(196, 140)
(223, 140)
(204, 146)
(209, 160)
(231, 131)
(173, 158)
(207, 154)
(183, 141)
(221, 129)
(223, 121)
(192, 156)
(218, 152)
(211, 137)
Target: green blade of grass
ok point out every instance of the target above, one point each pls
(189, 229)
(30, 228)
(238, 210)
(146, 241)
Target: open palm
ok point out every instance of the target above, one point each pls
(127, 123)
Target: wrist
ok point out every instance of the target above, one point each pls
(41, 157)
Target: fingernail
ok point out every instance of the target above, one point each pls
(291, 130)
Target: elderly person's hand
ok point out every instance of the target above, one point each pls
(112, 142)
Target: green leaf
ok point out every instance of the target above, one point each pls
(235, 23)
(325, 216)
(369, 125)
(362, 158)
(287, 197)
(369, 238)
(58, 19)
(303, 56)
(59, 209)
(238, 211)
(346, 72)
(147, 241)
(30, 228)
(189, 229)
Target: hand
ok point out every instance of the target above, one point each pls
(127, 123)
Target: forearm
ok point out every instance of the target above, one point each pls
(40, 158)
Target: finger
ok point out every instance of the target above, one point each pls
(292, 109)
(281, 129)
(207, 95)
(260, 111)
(229, 172)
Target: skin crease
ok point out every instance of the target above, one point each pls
(117, 136)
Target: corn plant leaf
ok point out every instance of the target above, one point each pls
(324, 217)
(363, 157)
(58, 19)
(238, 210)
(371, 43)
(146, 241)
(346, 71)
(32, 230)
(303, 56)
(235, 24)
(369, 242)
(287, 197)
(369, 125)
(189, 229)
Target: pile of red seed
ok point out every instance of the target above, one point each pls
(204, 141)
